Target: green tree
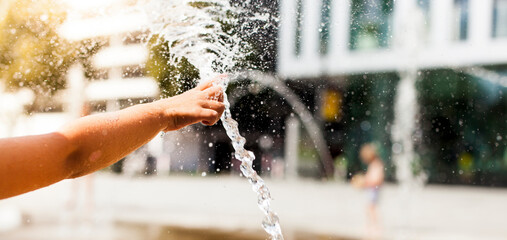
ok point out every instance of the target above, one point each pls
(257, 38)
(172, 79)
(32, 54)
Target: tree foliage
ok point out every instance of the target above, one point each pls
(258, 47)
(32, 54)
(172, 79)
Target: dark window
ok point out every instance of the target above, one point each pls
(461, 13)
(500, 19)
(97, 74)
(325, 24)
(133, 71)
(424, 6)
(299, 22)
(370, 24)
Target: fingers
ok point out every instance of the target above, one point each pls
(214, 93)
(209, 83)
(209, 117)
(205, 85)
(211, 112)
(214, 105)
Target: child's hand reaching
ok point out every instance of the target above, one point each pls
(200, 104)
(96, 141)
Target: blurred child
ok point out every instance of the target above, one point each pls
(371, 181)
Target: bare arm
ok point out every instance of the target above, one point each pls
(94, 142)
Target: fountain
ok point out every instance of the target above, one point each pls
(203, 33)
(309, 122)
(406, 109)
(195, 31)
(271, 222)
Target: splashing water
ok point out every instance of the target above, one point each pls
(195, 30)
(270, 222)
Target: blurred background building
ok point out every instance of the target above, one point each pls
(349, 56)
(347, 61)
(343, 59)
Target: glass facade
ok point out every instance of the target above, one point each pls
(299, 27)
(370, 24)
(324, 26)
(424, 6)
(460, 131)
(461, 19)
(463, 124)
(500, 19)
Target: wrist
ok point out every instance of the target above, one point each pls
(164, 115)
(158, 114)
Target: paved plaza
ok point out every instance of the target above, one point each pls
(227, 203)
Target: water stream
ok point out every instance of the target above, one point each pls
(210, 36)
(270, 222)
(409, 172)
(195, 31)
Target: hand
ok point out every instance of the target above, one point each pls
(203, 103)
(358, 181)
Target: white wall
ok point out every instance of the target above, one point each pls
(441, 51)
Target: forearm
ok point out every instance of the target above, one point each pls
(86, 145)
(31, 162)
(102, 139)
(94, 142)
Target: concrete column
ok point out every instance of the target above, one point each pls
(287, 35)
(292, 135)
(75, 88)
(114, 74)
(340, 28)
(339, 36)
(480, 21)
(441, 22)
(310, 32)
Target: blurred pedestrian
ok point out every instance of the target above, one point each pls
(371, 182)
